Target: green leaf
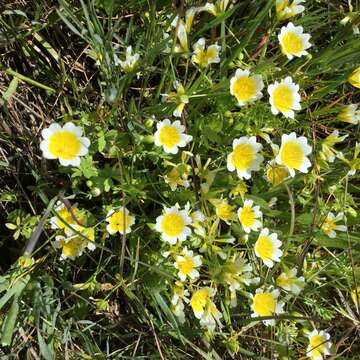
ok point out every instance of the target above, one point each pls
(9, 323)
(45, 349)
(11, 89)
(11, 226)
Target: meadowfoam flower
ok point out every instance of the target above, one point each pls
(224, 210)
(293, 153)
(245, 157)
(85, 234)
(173, 225)
(275, 174)
(284, 97)
(181, 34)
(200, 299)
(179, 297)
(174, 178)
(293, 41)
(237, 273)
(267, 248)
(119, 221)
(171, 136)
(187, 264)
(329, 226)
(245, 87)
(216, 8)
(131, 60)
(350, 114)
(180, 98)
(204, 57)
(265, 303)
(248, 216)
(64, 213)
(64, 143)
(71, 248)
(319, 345)
(289, 282)
(328, 152)
(286, 9)
(211, 317)
(354, 78)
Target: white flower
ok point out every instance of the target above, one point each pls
(245, 157)
(284, 97)
(181, 34)
(289, 282)
(285, 10)
(72, 247)
(119, 221)
(265, 303)
(246, 88)
(173, 225)
(85, 234)
(249, 215)
(293, 41)
(66, 217)
(200, 299)
(236, 272)
(180, 296)
(329, 225)
(267, 248)
(211, 317)
(131, 60)
(187, 264)
(64, 143)
(171, 136)
(206, 57)
(319, 345)
(216, 8)
(293, 153)
(350, 114)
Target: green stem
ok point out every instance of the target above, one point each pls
(292, 207)
(27, 80)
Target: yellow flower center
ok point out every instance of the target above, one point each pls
(201, 58)
(292, 43)
(264, 247)
(244, 88)
(172, 224)
(329, 225)
(224, 211)
(283, 98)
(186, 265)
(169, 136)
(292, 155)
(276, 174)
(317, 345)
(247, 216)
(72, 247)
(117, 223)
(66, 216)
(284, 280)
(243, 156)
(64, 145)
(264, 304)
(199, 300)
(211, 54)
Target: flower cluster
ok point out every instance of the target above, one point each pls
(225, 239)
